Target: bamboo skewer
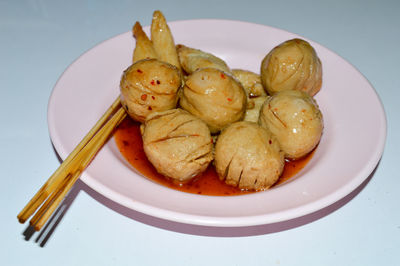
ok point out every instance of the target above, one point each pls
(81, 161)
(49, 202)
(62, 180)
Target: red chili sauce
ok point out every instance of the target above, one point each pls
(129, 142)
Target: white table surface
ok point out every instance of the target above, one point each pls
(40, 38)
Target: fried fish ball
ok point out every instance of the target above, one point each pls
(215, 97)
(251, 82)
(193, 59)
(295, 119)
(178, 144)
(149, 85)
(248, 156)
(292, 65)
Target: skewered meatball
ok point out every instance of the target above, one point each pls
(149, 85)
(296, 121)
(292, 65)
(215, 97)
(248, 156)
(178, 144)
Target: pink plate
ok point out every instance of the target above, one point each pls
(351, 146)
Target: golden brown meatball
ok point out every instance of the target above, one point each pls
(295, 120)
(215, 97)
(178, 144)
(248, 156)
(149, 85)
(292, 65)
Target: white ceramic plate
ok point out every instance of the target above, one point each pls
(351, 146)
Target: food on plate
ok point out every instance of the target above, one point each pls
(292, 65)
(163, 41)
(215, 97)
(248, 156)
(187, 99)
(255, 92)
(253, 108)
(193, 59)
(144, 48)
(295, 119)
(149, 85)
(251, 82)
(177, 143)
(129, 142)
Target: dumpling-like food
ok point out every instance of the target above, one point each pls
(215, 97)
(149, 85)
(178, 144)
(144, 48)
(296, 121)
(292, 65)
(251, 82)
(193, 59)
(248, 156)
(255, 92)
(162, 40)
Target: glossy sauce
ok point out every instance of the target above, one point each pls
(129, 142)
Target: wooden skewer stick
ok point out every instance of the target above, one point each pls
(73, 165)
(50, 200)
(82, 161)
